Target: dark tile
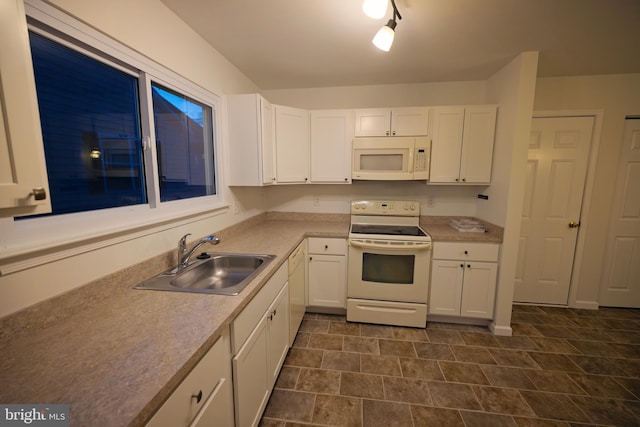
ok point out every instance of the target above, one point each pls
(562, 311)
(592, 334)
(267, 422)
(325, 341)
(464, 328)
(361, 385)
(601, 386)
(332, 317)
(313, 325)
(288, 377)
(481, 419)
(588, 322)
(622, 324)
(338, 411)
(396, 348)
(444, 337)
(424, 416)
(306, 357)
(319, 381)
(554, 345)
(599, 365)
(408, 390)
(290, 405)
(381, 365)
(553, 406)
(388, 414)
(409, 334)
(469, 373)
(517, 343)
(618, 313)
(479, 340)
(631, 384)
(501, 376)
(630, 351)
(625, 337)
(525, 329)
(452, 395)
(515, 358)
(376, 331)
(472, 354)
(426, 350)
(554, 362)
(537, 422)
(553, 331)
(420, 368)
(341, 361)
(558, 382)
(524, 308)
(606, 411)
(502, 400)
(344, 328)
(361, 345)
(631, 367)
(302, 339)
(594, 348)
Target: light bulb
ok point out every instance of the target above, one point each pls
(375, 9)
(384, 37)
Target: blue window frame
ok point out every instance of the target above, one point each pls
(90, 119)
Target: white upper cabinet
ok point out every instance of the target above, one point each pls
(407, 121)
(462, 144)
(292, 144)
(251, 147)
(331, 136)
(24, 188)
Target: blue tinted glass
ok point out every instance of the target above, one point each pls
(91, 130)
(184, 142)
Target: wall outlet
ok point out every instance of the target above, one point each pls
(316, 201)
(431, 202)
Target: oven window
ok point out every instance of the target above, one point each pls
(396, 269)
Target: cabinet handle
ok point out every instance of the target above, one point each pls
(326, 247)
(275, 312)
(38, 193)
(387, 133)
(306, 179)
(461, 265)
(310, 258)
(468, 265)
(457, 179)
(346, 179)
(393, 133)
(464, 179)
(198, 396)
(466, 252)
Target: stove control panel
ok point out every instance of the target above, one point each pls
(385, 207)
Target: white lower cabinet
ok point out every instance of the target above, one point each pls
(327, 273)
(205, 396)
(463, 279)
(260, 341)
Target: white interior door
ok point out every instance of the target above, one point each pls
(620, 285)
(556, 172)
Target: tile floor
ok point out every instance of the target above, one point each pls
(561, 367)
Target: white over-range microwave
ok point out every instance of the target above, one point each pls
(391, 158)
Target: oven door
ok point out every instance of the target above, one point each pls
(388, 270)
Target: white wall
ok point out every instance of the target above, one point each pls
(618, 96)
(150, 28)
(512, 88)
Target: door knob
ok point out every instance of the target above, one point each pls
(573, 224)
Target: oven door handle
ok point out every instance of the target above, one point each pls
(400, 247)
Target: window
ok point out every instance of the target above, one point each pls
(93, 131)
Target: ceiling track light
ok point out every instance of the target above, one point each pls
(384, 37)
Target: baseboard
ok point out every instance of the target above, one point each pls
(503, 331)
(587, 305)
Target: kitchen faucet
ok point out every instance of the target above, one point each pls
(184, 253)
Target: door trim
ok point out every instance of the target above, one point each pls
(587, 197)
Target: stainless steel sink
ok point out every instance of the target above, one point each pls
(224, 274)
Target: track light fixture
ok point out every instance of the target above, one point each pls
(384, 37)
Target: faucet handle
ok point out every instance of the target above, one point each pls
(182, 244)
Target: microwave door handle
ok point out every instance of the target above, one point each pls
(411, 160)
(371, 245)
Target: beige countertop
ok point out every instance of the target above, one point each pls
(115, 354)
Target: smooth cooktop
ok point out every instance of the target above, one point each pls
(390, 230)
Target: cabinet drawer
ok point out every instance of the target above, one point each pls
(212, 373)
(327, 246)
(242, 325)
(466, 251)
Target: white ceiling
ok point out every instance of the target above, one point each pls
(283, 44)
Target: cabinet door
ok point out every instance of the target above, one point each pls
(446, 287)
(478, 289)
(218, 408)
(266, 139)
(292, 144)
(251, 381)
(327, 281)
(278, 315)
(24, 188)
(411, 121)
(331, 135)
(373, 122)
(477, 144)
(446, 144)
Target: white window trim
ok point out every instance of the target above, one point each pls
(51, 238)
